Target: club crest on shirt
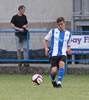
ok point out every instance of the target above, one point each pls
(56, 32)
(66, 35)
(61, 40)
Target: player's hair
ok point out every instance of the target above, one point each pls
(21, 7)
(59, 19)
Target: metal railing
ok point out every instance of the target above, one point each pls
(28, 58)
(40, 60)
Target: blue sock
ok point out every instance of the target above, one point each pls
(53, 76)
(60, 74)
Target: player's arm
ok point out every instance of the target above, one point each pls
(69, 51)
(48, 36)
(16, 28)
(46, 48)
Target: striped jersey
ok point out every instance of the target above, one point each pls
(59, 41)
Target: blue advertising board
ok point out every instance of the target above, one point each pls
(80, 44)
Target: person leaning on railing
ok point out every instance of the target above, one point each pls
(19, 23)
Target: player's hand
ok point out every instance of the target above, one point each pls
(46, 51)
(69, 51)
(21, 29)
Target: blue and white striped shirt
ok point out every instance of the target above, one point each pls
(59, 41)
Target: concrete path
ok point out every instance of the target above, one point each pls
(41, 68)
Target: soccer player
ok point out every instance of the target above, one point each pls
(19, 22)
(60, 46)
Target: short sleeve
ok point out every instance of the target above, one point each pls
(49, 35)
(69, 41)
(26, 22)
(13, 20)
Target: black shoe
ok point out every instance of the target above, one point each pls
(26, 65)
(20, 64)
(54, 83)
(59, 86)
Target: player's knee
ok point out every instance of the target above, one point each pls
(61, 64)
(54, 71)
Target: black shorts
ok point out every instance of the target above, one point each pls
(56, 59)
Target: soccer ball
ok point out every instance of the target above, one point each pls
(37, 79)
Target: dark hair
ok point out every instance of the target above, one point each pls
(21, 7)
(59, 19)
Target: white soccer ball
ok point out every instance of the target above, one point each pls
(37, 79)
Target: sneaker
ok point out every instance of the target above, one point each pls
(54, 83)
(59, 86)
(26, 65)
(20, 64)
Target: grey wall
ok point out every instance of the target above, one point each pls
(37, 10)
(41, 15)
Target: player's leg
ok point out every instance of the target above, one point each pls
(53, 75)
(54, 69)
(61, 70)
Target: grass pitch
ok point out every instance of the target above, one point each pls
(20, 87)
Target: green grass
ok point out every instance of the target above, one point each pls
(20, 87)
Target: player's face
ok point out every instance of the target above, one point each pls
(61, 25)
